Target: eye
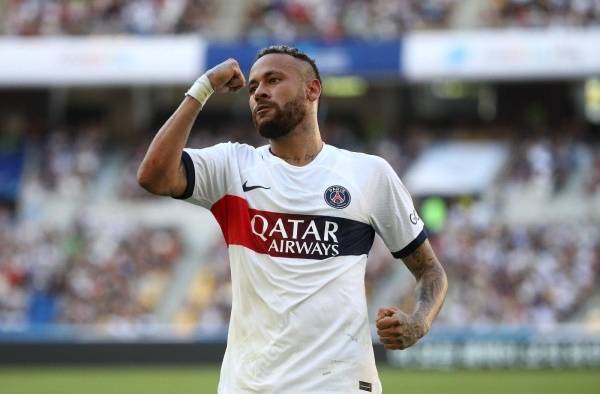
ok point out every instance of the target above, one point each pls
(274, 80)
(251, 89)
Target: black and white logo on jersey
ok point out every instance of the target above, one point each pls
(365, 386)
(337, 197)
(247, 188)
(414, 217)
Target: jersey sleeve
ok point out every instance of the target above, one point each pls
(208, 173)
(393, 214)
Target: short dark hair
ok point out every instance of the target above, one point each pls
(291, 51)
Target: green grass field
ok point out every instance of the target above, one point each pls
(202, 380)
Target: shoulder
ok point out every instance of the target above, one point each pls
(363, 162)
(236, 148)
(225, 150)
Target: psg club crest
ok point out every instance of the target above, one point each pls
(337, 197)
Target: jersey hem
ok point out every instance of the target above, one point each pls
(190, 175)
(412, 246)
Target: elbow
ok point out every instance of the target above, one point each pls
(147, 180)
(143, 179)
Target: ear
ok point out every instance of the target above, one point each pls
(313, 89)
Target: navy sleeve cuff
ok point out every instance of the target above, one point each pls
(411, 247)
(190, 175)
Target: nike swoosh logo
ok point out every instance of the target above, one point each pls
(248, 188)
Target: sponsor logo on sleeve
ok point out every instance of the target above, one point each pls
(414, 217)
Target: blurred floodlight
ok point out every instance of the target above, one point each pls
(592, 100)
(344, 86)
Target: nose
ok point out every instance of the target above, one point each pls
(261, 91)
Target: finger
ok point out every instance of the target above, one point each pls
(404, 344)
(234, 85)
(391, 332)
(237, 80)
(390, 344)
(240, 75)
(385, 311)
(399, 344)
(232, 62)
(393, 344)
(386, 322)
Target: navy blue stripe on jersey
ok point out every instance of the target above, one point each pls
(411, 247)
(190, 175)
(290, 235)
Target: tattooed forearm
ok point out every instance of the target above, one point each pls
(432, 283)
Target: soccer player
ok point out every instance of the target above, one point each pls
(299, 217)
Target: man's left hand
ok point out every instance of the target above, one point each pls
(398, 330)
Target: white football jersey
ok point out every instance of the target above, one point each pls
(298, 240)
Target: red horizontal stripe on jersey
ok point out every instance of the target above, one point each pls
(233, 215)
(290, 235)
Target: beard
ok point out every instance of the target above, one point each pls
(283, 120)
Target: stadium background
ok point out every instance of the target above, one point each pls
(488, 110)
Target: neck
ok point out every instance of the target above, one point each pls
(300, 146)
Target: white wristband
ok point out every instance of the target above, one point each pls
(201, 90)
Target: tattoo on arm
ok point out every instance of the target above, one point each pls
(432, 283)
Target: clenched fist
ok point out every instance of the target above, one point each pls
(226, 77)
(397, 330)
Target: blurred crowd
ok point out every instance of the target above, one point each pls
(287, 19)
(70, 160)
(94, 271)
(516, 275)
(541, 13)
(593, 182)
(83, 17)
(332, 19)
(545, 163)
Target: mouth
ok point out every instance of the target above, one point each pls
(262, 109)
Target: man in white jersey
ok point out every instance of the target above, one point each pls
(299, 217)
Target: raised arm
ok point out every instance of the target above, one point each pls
(398, 330)
(162, 171)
